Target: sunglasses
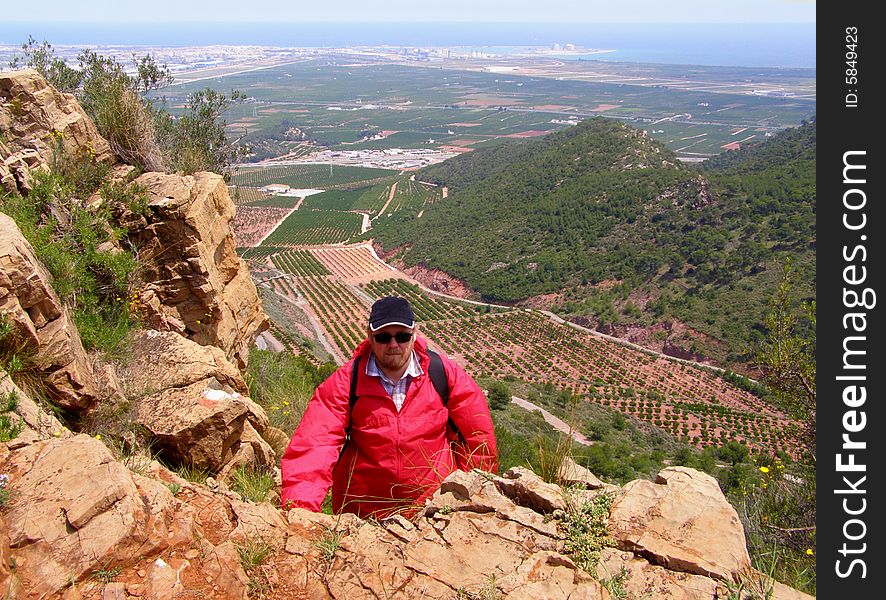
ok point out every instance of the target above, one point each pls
(384, 338)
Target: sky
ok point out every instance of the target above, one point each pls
(552, 11)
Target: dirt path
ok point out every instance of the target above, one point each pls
(390, 197)
(267, 341)
(556, 422)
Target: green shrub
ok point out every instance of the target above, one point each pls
(10, 423)
(93, 274)
(252, 484)
(499, 395)
(586, 528)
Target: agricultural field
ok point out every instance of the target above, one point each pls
(315, 227)
(391, 195)
(693, 403)
(351, 263)
(252, 223)
(303, 176)
(300, 263)
(357, 103)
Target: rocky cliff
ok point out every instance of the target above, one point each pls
(84, 517)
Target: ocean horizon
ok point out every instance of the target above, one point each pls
(785, 45)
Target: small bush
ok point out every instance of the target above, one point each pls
(499, 395)
(4, 492)
(586, 528)
(10, 423)
(329, 544)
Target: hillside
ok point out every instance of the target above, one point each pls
(621, 236)
(148, 468)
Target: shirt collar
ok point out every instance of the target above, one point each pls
(413, 370)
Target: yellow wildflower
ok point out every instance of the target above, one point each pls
(764, 469)
(809, 552)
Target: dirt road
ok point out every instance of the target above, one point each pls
(556, 422)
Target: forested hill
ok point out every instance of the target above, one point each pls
(538, 215)
(625, 234)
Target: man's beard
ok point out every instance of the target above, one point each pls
(392, 360)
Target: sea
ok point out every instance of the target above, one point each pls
(716, 44)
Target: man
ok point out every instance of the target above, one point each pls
(387, 448)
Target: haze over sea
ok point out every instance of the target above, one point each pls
(749, 45)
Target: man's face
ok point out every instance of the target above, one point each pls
(392, 355)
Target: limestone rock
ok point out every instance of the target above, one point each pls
(191, 400)
(572, 473)
(36, 423)
(196, 425)
(34, 116)
(162, 359)
(251, 451)
(551, 575)
(195, 282)
(41, 323)
(641, 579)
(528, 489)
(223, 569)
(76, 510)
(474, 492)
(681, 522)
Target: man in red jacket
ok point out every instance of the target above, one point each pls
(387, 446)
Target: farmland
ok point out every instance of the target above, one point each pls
(361, 102)
(692, 403)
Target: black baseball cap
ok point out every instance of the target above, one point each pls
(391, 310)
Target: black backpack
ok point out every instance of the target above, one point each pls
(438, 377)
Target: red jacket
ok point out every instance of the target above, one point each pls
(394, 460)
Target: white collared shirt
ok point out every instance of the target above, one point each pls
(395, 389)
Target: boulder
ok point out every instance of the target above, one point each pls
(195, 284)
(192, 402)
(42, 327)
(529, 490)
(573, 474)
(163, 359)
(76, 510)
(681, 522)
(197, 425)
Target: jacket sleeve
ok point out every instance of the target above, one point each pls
(469, 411)
(315, 446)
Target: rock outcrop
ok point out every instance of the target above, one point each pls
(194, 404)
(34, 116)
(33, 422)
(683, 522)
(477, 537)
(196, 285)
(76, 510)
(42, 329)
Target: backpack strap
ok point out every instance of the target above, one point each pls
(438, 376)
(437, 373)
(355, 371)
